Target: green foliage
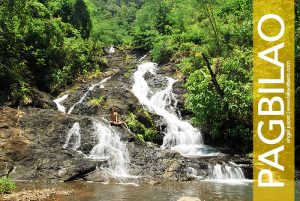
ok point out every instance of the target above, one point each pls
(81, 18)
(7, 185)
(180, 31)
(46, 44)
(112, 20)
(49, 43)
(229, 116)
(143, 133)
(21, 93)
(188, 65)
(163, 49)
(96, 102)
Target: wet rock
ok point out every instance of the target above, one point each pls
(99, 175)
(31, 142)
(41, 99)
(32, 147)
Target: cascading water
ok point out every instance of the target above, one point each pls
(180, 135)
(59, 102)
(229, 173)
(91, 88)
(226, 172)
(75, 133)
(143, 57)
(110, 148)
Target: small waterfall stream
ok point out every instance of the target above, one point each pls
(91, 88)
(111, 148)
(226, 172)
(61, 108)
(229, 173)
(75, 133)
(59, 102)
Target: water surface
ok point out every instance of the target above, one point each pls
(167, 191)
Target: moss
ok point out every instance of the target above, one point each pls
(128, 74)
(6, 185)
(92, 75)
(143, 133)
(96, 102)
(73, 89)
(147, 115)
(128, 58)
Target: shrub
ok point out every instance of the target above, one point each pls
(229, 116)
(6, 185)
(163, 49)
(143, 133)
(96, 102)
(21, 93)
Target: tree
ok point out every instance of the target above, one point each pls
(81, 18)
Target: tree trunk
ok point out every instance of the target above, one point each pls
(213, 77)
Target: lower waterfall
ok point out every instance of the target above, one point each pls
(110, 148)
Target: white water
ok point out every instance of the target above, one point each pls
(180, 135)
(59, 102)
(111, 50)
(91, 88)
(143, 57)
(111, 148)
(226, 173)
(75, 133)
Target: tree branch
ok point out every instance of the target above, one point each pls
(213, 77)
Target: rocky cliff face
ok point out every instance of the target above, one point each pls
(32, 139)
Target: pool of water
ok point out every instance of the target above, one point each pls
(165, 191)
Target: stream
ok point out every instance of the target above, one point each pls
(165, 191)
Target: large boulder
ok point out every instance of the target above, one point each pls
(32, 143)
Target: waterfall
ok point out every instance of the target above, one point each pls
(111, 50)
(179, 135)
(143, 57)
(91, 88)
(229, 173)
(58, 102)
(225, 172)
(110, 148)
(74, 131)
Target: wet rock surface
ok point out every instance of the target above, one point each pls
(32, 140)
(33, 150)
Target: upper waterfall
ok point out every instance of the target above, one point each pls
(180, 134)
